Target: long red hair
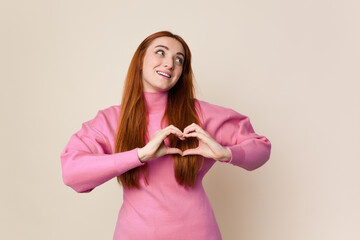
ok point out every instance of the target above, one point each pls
(180, 112)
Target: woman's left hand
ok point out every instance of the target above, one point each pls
(208, 147)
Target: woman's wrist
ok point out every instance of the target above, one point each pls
(141, 155)
(227, 155)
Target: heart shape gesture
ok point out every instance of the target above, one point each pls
(207, 147)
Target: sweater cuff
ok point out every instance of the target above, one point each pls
(237, 155)
(125, 161)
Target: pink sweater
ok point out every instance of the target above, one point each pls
(163, 209)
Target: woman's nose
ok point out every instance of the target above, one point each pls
(168, 63)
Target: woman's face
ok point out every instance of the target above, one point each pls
(162, 64)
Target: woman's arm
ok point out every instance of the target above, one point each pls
(248, 149)
(229, 138)
(84, 162)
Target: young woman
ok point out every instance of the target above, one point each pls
(159, 143)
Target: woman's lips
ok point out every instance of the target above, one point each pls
(164, 74)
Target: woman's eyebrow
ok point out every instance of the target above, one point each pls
(180, 53)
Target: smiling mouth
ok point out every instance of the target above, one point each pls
(163, 74)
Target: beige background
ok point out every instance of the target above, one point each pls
(291, 66)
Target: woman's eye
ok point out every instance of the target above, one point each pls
(179, 60)
(160, 52)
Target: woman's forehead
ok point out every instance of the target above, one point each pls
(168, 42)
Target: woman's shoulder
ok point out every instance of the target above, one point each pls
(210, 109)
(216, 120)
(106, 118)
(113, 110)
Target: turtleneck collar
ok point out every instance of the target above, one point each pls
(156, 101)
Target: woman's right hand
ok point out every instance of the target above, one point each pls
(156, 146)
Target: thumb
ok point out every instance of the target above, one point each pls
(193, 151)
(174, 151)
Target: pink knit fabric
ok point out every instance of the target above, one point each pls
(163, 209)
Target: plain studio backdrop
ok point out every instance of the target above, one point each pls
(291, 66)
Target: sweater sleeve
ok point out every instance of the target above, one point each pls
(248, 149)
(85, 160)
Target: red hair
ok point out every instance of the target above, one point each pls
(180, 112)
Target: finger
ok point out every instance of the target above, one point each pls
(175, 131)
(159, 137)
(194, 151)
(199, 136)
(173, 151)
(189, 128)
(194, 128)
(173, 127)
(164, 133)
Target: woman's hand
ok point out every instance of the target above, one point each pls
(208, 147)
(156, 146)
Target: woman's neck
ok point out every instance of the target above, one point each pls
(155, 101)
